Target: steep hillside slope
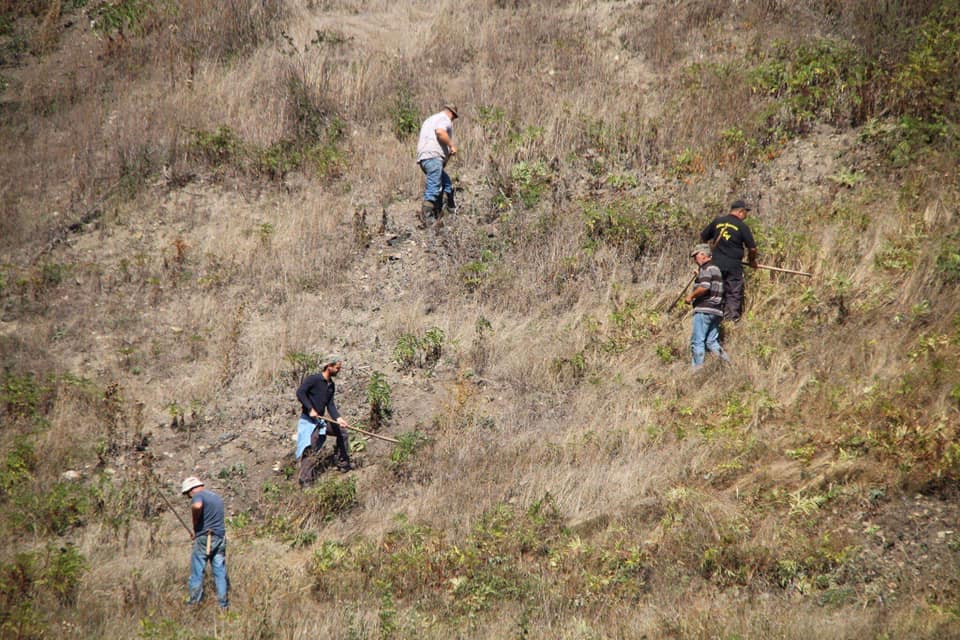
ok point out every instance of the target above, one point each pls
(200, 203)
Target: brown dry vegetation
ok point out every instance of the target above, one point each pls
(199, 199)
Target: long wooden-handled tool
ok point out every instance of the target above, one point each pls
(366, 433)
(157, 487)
(769, 268)
(682, 291)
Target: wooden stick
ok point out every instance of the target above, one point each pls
(157, 487)
(366, 433)
(769, 268)
(683, 291)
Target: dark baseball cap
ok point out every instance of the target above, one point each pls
(739, 204)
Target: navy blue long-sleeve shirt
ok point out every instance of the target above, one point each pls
(316, 392)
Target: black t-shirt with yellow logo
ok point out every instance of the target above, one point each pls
(728, 235)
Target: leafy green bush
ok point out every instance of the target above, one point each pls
(432, 345)
(632, 224)
(819, 79)
(53, 571)
(51, 512)
(403, 115)
(23, 395)
(332, 497)
(474, 273)
(64, 570)
(411, 350)
(406, 351)
(217, 147)
(18, 466)
(926, 85)
(530, 179)
(948, 260)
(895, 256)
(402, 456)
(20, 579)
(378, 395)
(123, 16)
(303, 363)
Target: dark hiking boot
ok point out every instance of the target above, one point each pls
(426, 214)
(449, 203)
(344, 466)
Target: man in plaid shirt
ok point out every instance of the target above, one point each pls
(707, 301)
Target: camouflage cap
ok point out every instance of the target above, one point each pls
(702, 248)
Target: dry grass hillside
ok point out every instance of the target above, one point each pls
(200, 200)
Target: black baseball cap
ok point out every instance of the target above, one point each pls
(739, 204)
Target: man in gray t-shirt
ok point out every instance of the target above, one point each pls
(209, 541)
(434, 147)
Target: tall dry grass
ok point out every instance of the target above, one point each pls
(195, 282)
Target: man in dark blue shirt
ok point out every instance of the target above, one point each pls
(728, 236)
(316, 396)
(209, 541)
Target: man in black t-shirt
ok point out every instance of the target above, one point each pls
(728, 236)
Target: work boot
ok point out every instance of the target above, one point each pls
(450, 204)
(426, 214)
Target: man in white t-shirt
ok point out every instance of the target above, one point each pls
(434, 148)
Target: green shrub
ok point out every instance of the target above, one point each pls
(403, 115)
(280, 158)
(18, 466)
(432, 345)
(54, 571)
(895, 257)
(303, 363)
(529, 180)
(23, 395)
(331, 498)
(473, 274)
(51, 275)
(927, 83)
(217, 147)
(55, 511)
(822, 78)
(20, 617)
(64, 570)
(632, 224)
(378, 395)
(403, 455)
(125, 16)
(406, 353)
(948, 260)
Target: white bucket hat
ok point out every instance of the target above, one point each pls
(190, 483)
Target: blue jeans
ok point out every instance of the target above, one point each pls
(706, 337)
(437, 179)
(309, 454)
(218, 564)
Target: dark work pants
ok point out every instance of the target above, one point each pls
(311, 457)
(342, 449)
(732, 295)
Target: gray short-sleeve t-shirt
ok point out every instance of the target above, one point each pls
(428, 146)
